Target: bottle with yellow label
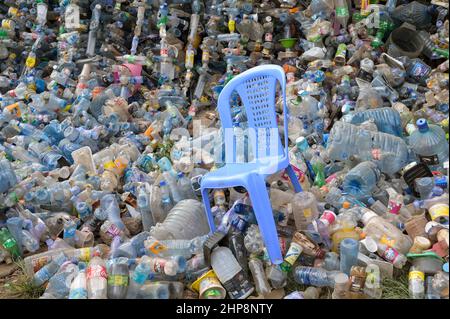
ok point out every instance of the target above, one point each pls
(416, 283)
(304, 208)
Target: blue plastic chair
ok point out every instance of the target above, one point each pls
(256, 88)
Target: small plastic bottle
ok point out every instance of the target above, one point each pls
(416, 283)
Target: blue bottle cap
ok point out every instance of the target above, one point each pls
(422, 125)
(162, 183)
(445, 267)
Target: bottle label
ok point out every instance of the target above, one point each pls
(139, 277)
(307, 212)
(158, 265)
(118, 280)
(429, 160)
(78, 293)
(387, 241)
(39, 263)
(43, 274)
(9, 243)
(113, 230)
(416, 275)
(96, 271)
(439, 210)
(390, 254)
(419, 70)
(293, 253)
(394, 207)
(342, 12)
(156, 247)
(85, 254)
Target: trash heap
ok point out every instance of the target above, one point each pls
(109, 121)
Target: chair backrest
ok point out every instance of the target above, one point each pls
(257, 89)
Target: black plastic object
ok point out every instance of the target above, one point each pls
(211, 243)
(417, 171)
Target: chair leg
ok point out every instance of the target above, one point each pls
(259, 197)
(294, 179)
(206, 203)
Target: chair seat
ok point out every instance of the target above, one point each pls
(233, 174)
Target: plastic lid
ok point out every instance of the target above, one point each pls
(368, 216)
(422, 124)
(346, 205)
(445, 267)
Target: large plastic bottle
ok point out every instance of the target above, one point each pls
(389, 152)
(305, 209)
(429, 144)
(386, 119)
(360, 180)
(46, 272)
(186, 220)
(382, 231)
(97, 278)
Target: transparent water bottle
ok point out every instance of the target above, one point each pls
(312, 276)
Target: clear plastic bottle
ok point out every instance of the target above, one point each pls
(416, 283)
(312, 276)
(345, 139)
(381, 230)
(143, 203)
(305, 209)
(46, 272)
(97, 278)
(386, 119)
(348, 254)
(256, 267)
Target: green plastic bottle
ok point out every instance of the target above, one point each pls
(9, 243)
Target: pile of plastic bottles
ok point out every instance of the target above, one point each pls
(101, 159)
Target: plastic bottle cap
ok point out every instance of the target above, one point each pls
(346, 205)
(368, 216)
(422, 124)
